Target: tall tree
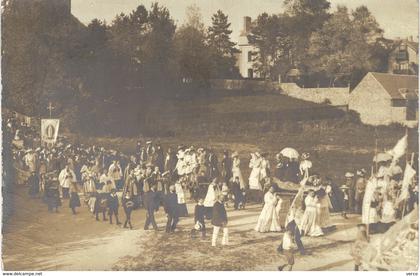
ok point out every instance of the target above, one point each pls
(270, 34)
(306, 16)
(344, 47)
(158, 46)
(222, 48)
(192, 52)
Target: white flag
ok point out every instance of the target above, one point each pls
(409, 173)
(400, 148)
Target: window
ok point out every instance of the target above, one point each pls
(412, 110)
(249, 56)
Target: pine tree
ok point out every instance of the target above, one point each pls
(222, 48)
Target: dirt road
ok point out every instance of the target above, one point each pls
(37, 240)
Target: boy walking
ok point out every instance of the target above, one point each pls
(219, 221)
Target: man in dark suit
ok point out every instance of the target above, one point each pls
(219, 221)
(170, 206)
(113, 205)
(150, 203)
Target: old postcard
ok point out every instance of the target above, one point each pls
(210, 135)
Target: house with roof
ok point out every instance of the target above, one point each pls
(382, 99)
(403, 59)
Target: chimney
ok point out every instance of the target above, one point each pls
(247, 24)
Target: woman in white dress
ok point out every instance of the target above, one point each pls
(309, 223)
(282, 208)
(255, 176)
(268, 219)
(264, 167)
(236, 170)
(323, 208)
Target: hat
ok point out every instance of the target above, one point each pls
(396, 170)
(235, 154)
(349, 174)
(305, 155)
(257, 154)
(361, 172)
(148, 142)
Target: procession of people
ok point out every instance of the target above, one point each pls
(150, 178)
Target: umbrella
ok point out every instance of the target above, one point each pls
(290, 153)
(382, 157)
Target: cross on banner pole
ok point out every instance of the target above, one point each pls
(50, 108)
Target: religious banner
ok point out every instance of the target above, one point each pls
(49, 130)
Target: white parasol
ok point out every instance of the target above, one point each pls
(290, 153)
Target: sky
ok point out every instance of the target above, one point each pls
(398, 18)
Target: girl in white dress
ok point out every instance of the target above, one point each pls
(268, 219)
(309, 224)
(236, 170)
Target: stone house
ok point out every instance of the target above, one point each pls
(382, 99)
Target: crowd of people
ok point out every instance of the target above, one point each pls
(105, 179)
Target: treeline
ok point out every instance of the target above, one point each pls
(49, 55)
(328, 48)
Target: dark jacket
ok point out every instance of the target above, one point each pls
(171, 204)
(113, 202)
(199, 213)
(151, 200)
(33, 183)
(219, 214)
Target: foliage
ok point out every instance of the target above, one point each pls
(346, 45)
(271, 35)
(221, 47)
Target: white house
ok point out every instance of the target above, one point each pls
(245, 56)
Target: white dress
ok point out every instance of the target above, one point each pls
(369, 214)
(255, 176)
(265, 166)
(268, 221)
(210, 197)
(323, 211)
(236, 172)
(309, 223)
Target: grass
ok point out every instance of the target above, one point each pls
(244, 121)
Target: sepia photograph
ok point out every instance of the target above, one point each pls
(209, 135)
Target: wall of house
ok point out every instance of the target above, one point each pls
(243, 63)
(413, 57)
(334, 95)
(372, 102)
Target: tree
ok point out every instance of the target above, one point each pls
(270, 34)
(306, 17)
(345, 46)
(192, 52)
(158, 46)
(222, 48)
